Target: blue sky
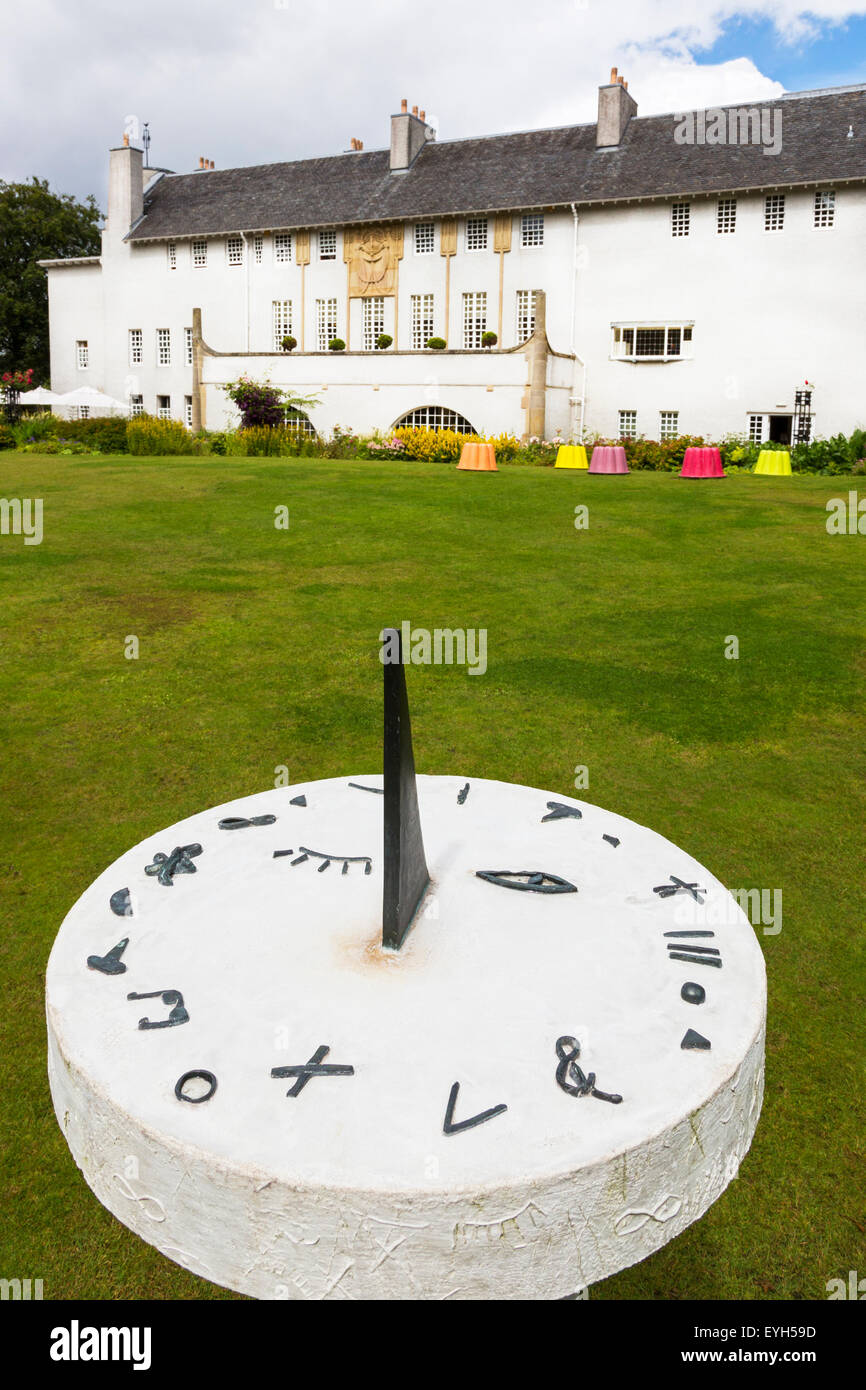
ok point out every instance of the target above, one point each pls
(269, 80)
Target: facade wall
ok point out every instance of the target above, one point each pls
(769, 310)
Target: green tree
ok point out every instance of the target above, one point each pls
(36, 224)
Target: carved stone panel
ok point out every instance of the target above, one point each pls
(373, 255)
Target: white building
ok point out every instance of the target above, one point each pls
(685, 273)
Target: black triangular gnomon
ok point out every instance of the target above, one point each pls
(405, 867)
(450, 1127)
(696, 1040)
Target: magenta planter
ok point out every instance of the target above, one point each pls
(702, 463)
(608, 458)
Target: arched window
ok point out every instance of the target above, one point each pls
(300, 423)
(434, 417)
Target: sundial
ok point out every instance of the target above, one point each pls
(399, 1036)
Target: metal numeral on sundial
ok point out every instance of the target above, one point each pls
(571, 1078)
(557, 810)
(329, 859)
(676, 885)
(526, 880)
(455, 1127)
(243, 822)
(165, 866)
(110, 963)
(305, 1071)
(171, 998)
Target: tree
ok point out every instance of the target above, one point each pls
(36, 224)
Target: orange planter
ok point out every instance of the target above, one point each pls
(478, 458)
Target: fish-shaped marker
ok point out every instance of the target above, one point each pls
(526, 880)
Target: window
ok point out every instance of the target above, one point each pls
(258, 248)
(235, 250)
(434, 417)
(422, 319)
(374, 320)
(163, 347)
(524, 326)
(82, 354)
(680, 217)
(328, 245)
(136, 350)
(326, 319)
(187, 411)
(532, 230)
(187, 347)
(669, 424)
(628, 424)
(726, 215)
(283, 246)
(83, 412)
(425, 238)
(282, 322)
(163, 407)
(474, 318)
(299, 422)
(136, 405)
(825, 209)
(756, 429)
(774, 212)
(172, 255)
(476, 234)
(199, 253)
(657, 342)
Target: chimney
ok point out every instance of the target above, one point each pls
(125, 189)
(615, 109)
(409, 135)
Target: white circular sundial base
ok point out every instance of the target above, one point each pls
(351, 1188)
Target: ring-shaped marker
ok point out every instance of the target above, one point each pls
(207, 1076)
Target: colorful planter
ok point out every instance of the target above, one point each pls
(702, 463)
(608, 458)
(774, 461)
(478, 458)
(571, 456)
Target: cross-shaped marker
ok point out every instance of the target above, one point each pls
(676, 885)
(307, 1070)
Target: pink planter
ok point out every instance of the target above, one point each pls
(608, 458)
(702, 463)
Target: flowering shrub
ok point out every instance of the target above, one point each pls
(146, 435)
(7, 438)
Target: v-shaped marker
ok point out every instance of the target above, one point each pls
(450, 1127)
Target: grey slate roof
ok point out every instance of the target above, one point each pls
(533, 169)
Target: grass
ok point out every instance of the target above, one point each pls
(605, 647)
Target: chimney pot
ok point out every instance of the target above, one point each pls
(404, 104)
(126, 141)
(423, 115)
(612, 75)
(414, 110)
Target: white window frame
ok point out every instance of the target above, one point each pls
(328, 244)
(258, 248)
(474, 319)
(234, 250)
(199, 253)
(666, 429)
(281, 316)
(136, 405)
(163, 412)
(187, 411)
(623, 350)
(532, 229)
(136, 347)
(423, 318)
(163, 347)
(434, 417)
(326, 322)
(373, 317)
(681, 219)
(171, 255)
(524, 314)
(424, 238)
(282, 246)
(774, 212)
(476, 234)
(756, 429)
(726, 216)
(82, 354)
(628, 424)
(825, 208)
(187, 347)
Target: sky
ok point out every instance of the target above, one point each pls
(260, 81)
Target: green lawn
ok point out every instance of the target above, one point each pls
(605, 647)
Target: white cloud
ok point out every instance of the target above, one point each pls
(257, 83)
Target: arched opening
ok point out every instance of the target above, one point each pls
(299, 423)
(434, 417)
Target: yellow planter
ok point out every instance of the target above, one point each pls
(571, 456)
(773, 461)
